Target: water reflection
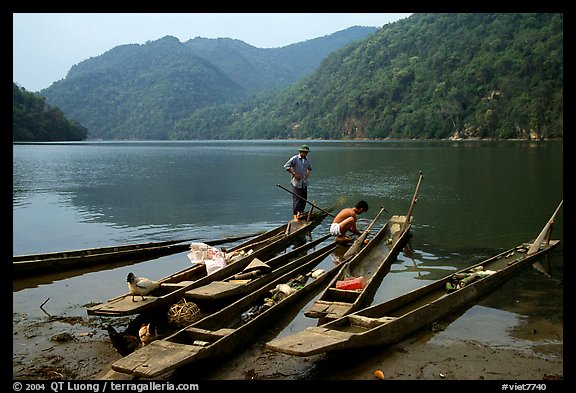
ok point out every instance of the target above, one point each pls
(498, 328)
(170, 185)
(476, 199)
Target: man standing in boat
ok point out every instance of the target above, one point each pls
(299, 167)
(346, 221)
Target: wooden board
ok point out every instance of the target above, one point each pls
(158, 356)
(213, 289)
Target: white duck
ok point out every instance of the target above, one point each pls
(140, 286)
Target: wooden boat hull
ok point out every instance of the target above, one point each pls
(389, 322)
(174, 286)
(222, 332)
(27, 265)
(279, 265)
(335, 303)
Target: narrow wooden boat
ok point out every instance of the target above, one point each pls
(391, 321)
(230, 328)
(250, 279)
(32, 264)
(174, 286)
(369, 272)
(338, 299)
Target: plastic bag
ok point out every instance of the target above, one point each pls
(215, 264)
(213, 258)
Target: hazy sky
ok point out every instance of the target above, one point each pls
(46, 45)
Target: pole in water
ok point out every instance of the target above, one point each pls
(305, 200)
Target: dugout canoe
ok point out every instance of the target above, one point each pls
(337, 300)
(174, 286)
(391, 321)
(229, 329)
(252, 278)
(33, 264)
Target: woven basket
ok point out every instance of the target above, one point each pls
(183, 313)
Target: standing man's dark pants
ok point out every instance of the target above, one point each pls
(299, 204)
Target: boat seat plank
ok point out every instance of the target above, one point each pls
(324, 309)
(308, 342)
(318, 309)
(209, 333)
(344, 295)
(338, 309)
(212, 290)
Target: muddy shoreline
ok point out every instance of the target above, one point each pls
(78, 348)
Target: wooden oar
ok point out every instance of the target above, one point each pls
(546, 231)
(355, 247)
(305, 200)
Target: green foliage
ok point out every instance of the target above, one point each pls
(141, 91)
(35, 121)
(428, 76)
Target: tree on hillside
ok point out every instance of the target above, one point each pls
(35, 121)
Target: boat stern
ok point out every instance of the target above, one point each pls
(311, 341)
(156, 358)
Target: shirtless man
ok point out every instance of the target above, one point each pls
(346, 221)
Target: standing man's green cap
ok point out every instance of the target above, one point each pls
(304, 148)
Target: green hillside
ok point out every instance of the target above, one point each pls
(141, 91)
(427, 76)
(35, 121)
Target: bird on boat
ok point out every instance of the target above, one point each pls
(147, 333)
(140, 286)
(125, 344)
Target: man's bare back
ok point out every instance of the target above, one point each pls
(344, 214)
(346, 220)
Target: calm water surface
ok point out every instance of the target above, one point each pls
(476, 199)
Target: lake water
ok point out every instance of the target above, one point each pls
(477, 198)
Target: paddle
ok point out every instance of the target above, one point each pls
(355, 247)
(305, 200)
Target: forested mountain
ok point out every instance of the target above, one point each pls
(141, 91)
(35, 121)
(427, 76)
(257, 69)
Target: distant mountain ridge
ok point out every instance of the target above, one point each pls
(438, 75)
(257, 69)
(140, 91)
(429, 76)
